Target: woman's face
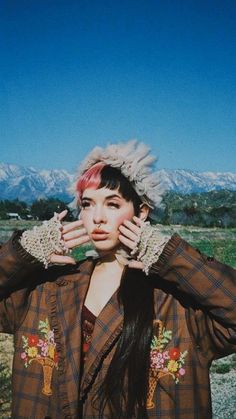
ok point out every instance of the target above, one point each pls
(103, 211)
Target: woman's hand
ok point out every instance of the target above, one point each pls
(73, 235)
(130, 235)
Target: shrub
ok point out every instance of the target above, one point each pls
(5, 394)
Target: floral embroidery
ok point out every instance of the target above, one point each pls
(163, 361)
(42, 349)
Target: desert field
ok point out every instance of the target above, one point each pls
(220, 243)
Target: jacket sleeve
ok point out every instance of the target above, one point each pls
(15, 267)
(212, 285)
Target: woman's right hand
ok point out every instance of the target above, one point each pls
(73, 234)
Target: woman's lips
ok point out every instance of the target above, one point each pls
(99, 234)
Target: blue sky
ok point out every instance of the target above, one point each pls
(75, 74)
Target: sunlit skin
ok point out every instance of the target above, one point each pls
(103, 212)
(117, 223)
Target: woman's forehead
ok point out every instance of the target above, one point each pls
(101, 193)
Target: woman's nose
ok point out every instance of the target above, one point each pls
(99, 215)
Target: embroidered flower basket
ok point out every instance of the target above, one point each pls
(41, 348)
(163, 361)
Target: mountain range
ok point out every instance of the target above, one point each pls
(29, 184)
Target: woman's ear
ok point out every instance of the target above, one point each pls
(143, 212)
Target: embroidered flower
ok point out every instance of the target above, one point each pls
(163, 361)
(166, 355)
(173, 366)
(174, 353)
(51, 336)
(41, 348)
(157, 360)
(51, 351)
(32, 352)
(33, 340)
(44, 349)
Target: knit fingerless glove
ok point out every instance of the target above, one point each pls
(42, 241)
(150, 245)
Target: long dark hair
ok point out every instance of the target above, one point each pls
(124, 389)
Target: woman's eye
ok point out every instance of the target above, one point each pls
(113, 205)
(85, 204)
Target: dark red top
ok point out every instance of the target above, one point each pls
(88, 321)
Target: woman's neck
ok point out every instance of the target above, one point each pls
(107, 257)
(105, 280)
(109, 262)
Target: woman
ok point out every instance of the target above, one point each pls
(129, 334)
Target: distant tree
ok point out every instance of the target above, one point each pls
(167, 216)
(190, 210)
(5, 386)
(16, 206)
(44, 209)
(223, 216)
(3, 215)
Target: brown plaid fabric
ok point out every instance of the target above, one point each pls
(195, 318)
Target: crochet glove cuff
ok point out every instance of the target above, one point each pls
(150, 245)
(44, 240)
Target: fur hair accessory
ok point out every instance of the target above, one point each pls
(135, 162)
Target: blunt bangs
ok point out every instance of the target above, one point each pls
(104, 176)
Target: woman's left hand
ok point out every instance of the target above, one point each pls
(129, 236)
(73, 235)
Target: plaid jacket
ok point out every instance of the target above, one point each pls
(195, 300)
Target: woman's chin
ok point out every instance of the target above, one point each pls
(105, 246)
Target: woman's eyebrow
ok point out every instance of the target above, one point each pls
(113, 196)
(86, 198)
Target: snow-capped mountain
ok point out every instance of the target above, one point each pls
(187, 181)
(28, 184)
